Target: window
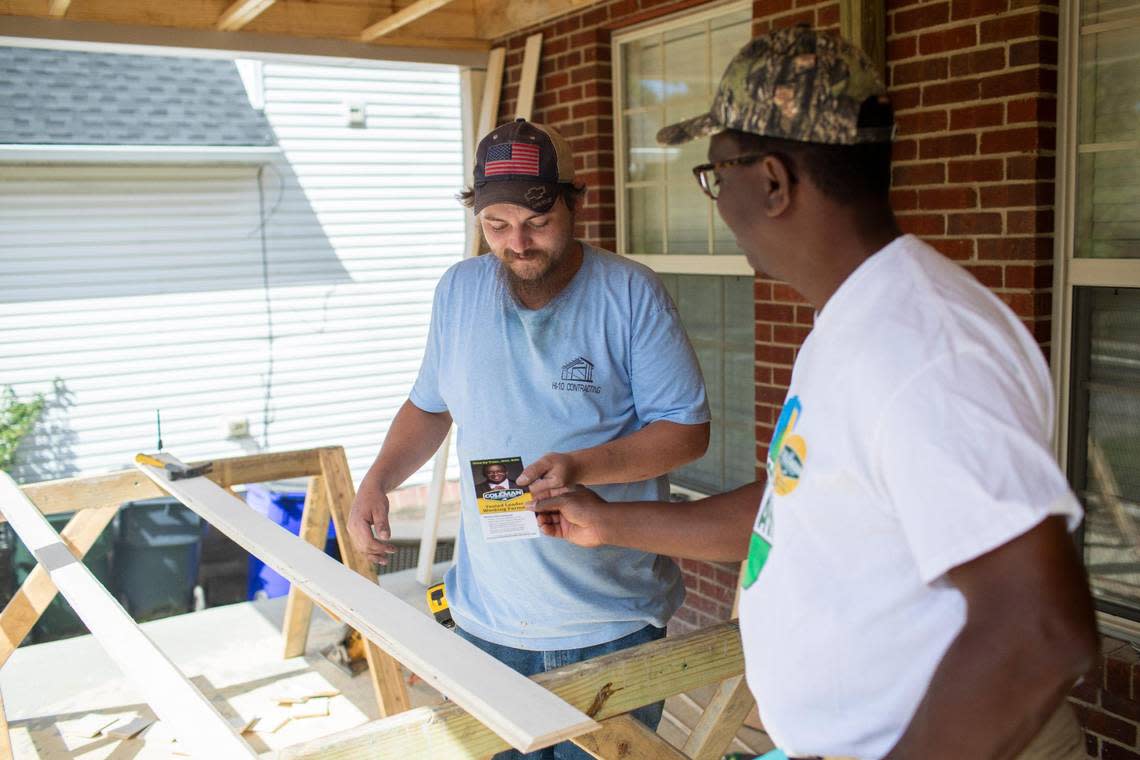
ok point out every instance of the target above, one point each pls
(1097, 335)
(666, 72)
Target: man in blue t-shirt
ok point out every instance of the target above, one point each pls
(574, 360)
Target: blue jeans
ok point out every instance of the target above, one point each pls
(529, 663)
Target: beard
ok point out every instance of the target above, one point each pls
(542, 283)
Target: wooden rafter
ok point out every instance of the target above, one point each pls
(58, 8)
(241, 13)
(416, 10)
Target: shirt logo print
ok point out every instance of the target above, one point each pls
(578, 376)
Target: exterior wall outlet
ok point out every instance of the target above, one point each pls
(237, 427)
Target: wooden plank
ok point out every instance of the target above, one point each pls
(523, 713)
(5, 736)
(430, 536)
(498, 18)
(402, 17)
(58, 8)
(173, 698)
(603, 687)
(532, 58)
(720, 721)
(626, 738)
(314, 529)
(387, 682)
(240, 13)
(488, 113)
(864, 23)
(100, 491)
(37, 591)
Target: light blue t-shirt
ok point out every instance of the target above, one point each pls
(606, 357)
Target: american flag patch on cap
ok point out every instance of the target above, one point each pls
(511, 158)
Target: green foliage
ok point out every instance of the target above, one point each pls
(17, 418)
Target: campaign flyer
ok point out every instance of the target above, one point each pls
(501, 501)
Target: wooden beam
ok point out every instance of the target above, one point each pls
(314, 529)
(429, 536)
(532, 58)
(603, 687)
(720, 721)
(400, 18)
(196, 722)
(864, 23)
(627, 738)
(99, 491)
(241, 13)
(498, 18)
(58, 8)
(37, 591)
(488, 113)
(339, 493)
(523, 713)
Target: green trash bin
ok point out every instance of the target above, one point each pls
(58, 620)
(157, 550)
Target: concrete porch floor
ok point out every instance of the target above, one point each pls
(233, 654)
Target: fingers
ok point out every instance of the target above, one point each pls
(369, 532)
(533, 471)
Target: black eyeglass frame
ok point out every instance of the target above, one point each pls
(699, 172)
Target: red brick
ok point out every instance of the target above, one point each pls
(570, 94)
(978, 170)
(921, 17)
(1020, 140)
(1114, 752)
(901, 48)
(960, 9)
(947, 198)
(1118, 674)
(785, 293)
(922, 224)
(1033, 53)
(791, 335)
(990, 275)
(587, 109)
(919, 174)
(1031, 109)
(805, 315)
(793, 19)
(948, 146)
(948, 39)
(922, 70)
(771, 312)
(762, 8)
(977, 61)
(827, 16)
(904, 200)
(1030, 167)
(1034, 79)
(975, 117)
(1017, 194)
(977, 223)
(959, 249)
(922, 122)
(1031, 222)
(774, 355)
(904, 150)
(597, 89)
(782, 377)
(1032, 24)
(906, 98)
(1112, 728)
(1015, 248)
(954, 91)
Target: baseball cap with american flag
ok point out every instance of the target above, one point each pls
(523, 163)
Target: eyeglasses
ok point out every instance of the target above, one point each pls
(706, 174)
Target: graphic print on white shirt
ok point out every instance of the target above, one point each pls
(786, 459)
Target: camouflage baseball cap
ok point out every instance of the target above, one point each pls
(795, 84)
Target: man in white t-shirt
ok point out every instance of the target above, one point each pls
(911, 589)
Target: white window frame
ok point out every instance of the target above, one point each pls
(1070, 272)
(715, 264)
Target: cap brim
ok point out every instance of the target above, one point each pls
(528, 193)
(690, 129)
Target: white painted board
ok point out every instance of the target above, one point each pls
(193, 720)
(520, 711)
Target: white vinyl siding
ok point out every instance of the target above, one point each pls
(144, 287)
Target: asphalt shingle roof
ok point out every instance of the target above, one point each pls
(61, 97)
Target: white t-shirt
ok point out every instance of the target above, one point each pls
(914, 438)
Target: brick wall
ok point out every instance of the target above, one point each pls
(974, 86)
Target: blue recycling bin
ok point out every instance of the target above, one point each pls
(283, 507)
